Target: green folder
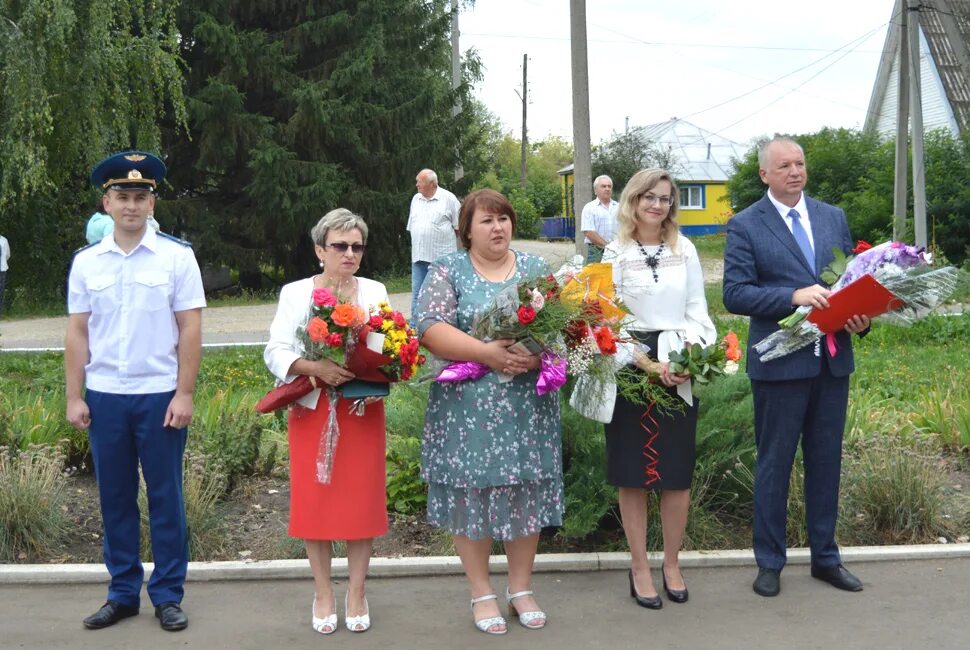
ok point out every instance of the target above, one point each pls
(359, 389)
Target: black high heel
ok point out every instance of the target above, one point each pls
(653, 602)
(675, 595)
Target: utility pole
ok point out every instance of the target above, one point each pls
(525, 105)
(902, 129)
(916, 109)
(456, 77)
(582, 161)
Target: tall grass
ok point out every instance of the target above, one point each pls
(31, 495)
(203, 485)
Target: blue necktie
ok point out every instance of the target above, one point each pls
(801, 238)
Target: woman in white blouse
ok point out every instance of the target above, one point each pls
(352, 506)
(658, 276)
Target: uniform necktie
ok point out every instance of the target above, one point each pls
(801, 238)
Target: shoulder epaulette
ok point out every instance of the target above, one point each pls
(174, 239)
(84, 248)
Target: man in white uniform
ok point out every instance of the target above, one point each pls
(4, 257)
(134, 342)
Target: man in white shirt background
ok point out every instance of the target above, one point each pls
(599, 219)
(4, 256)
(433, 224)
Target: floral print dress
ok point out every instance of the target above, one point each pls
(492, 453)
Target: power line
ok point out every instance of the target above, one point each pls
(637, 41)
(859, 40)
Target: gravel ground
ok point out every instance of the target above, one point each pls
(250, 323)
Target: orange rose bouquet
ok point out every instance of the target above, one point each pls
(331, 329)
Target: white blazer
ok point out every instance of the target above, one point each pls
(293, 313)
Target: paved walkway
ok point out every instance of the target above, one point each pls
(250, 323)
(906, 604)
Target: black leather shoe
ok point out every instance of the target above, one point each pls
(837, 576)
(109, 614)
(768, 582)
(653, 602)
(171, 617)
(674, 595)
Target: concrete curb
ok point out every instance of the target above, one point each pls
(381, 567)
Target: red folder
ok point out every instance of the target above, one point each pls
(862, 297)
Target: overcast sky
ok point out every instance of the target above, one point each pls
(800, 66)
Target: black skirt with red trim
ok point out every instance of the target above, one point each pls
(649, 449)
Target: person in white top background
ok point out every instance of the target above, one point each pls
(134, 342)
(433, 224)
(599, 219)
(658, 277)
(4, 265)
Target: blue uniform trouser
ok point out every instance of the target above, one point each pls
(419, 271)
(126, 429)
(814, 410)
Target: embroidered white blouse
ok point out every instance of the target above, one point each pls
(293, 313)
(674, 304)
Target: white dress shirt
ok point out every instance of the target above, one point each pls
(432, 224)
(132, 298)
(600, 218)
(803, 215)
(4, 253)
(674, 304)
(293, 313)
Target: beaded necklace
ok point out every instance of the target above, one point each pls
(653, 261)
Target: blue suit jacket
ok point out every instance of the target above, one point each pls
(763, 266)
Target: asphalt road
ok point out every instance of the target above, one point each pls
(906, 604)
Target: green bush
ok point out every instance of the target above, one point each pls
(406, 492)
(228, 429)
(32, 520)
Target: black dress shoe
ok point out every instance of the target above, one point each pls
(837, 576)
(674, 595)
(652, 602)
(171, 617)
(768, 582)
(109, 614)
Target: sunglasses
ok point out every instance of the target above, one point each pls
(341, 247)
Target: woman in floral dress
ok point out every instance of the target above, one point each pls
(492, 452)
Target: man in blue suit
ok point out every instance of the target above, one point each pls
(775, 251)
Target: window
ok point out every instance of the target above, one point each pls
(692, 197)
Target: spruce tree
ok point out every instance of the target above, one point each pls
(299, 107)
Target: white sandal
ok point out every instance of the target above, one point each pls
(357, 623)
(327, 624)
(525, 618)
(486, 624)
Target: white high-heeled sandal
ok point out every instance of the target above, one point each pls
(327, 624)
(486, 624)
(525, 618)
(357, 623)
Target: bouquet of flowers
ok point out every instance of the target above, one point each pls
(533, 314)
(330, 331)
(398, 342)
(893, 281)
(377, 350)
(705, 363)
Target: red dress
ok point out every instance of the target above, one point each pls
(354, 504)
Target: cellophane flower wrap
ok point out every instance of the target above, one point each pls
(905, 271)
(331, 332)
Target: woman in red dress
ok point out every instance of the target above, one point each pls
(353, 505)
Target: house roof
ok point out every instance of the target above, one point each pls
(945, 27)
(699, 155)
